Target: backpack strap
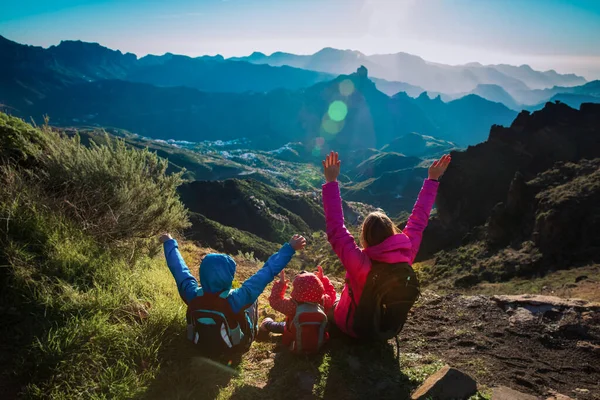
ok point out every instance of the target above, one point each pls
(353, 304)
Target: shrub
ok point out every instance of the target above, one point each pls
(81, 317)
(117, 194)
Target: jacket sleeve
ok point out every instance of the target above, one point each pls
(417, 222)
(186, 283)
(254, 286)
(278, 301)
(330, 296)
(341, 240)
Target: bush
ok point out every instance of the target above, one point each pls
(118, 195)
(81, 317)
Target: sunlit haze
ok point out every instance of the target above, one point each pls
(546, 34)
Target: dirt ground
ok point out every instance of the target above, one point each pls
(533, 345)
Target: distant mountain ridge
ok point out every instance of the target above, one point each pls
(533, 99)
(416, 71)
(29, 73)
(270, 120)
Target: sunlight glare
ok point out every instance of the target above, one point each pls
(337, 111)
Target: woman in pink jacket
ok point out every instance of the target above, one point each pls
(381, 240)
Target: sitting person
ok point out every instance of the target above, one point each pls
(381, 285)
(312, 298)
(222, 320)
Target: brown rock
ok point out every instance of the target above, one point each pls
(447, 383)
(521, 316)
(552, 395)
(506, 393)
(540, 300)
(588, 346)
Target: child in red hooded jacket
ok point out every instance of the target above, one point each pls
(307, 288)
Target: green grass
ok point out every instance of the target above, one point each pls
(98, 337)
(88, 317)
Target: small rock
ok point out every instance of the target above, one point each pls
(588, 346)
(447, 383)
(552, 395)
(521, 316)
(506, 393)
(581, 391)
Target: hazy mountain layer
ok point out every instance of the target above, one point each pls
(417, 71)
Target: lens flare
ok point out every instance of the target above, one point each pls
(332, 127)
(320, 141)
(346, 87)
(337, 111)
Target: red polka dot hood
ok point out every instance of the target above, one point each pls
(307, 288)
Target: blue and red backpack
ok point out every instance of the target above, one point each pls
(215, 329)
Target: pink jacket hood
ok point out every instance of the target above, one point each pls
(391, 250)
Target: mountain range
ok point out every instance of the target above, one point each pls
(29, 73)
(517, 88)
(417, 71)
(85, 84)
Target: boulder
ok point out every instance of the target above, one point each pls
(447, 383)
(506, 393)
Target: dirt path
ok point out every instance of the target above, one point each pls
(533, 345)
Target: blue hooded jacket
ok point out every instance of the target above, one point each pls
(217, 272)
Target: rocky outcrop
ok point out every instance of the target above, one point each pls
(480, 177)
(531, 193)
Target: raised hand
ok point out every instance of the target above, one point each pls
(164, 237)
(437, 169)
(331, 167)
(298, 242)
(282, 278)
(319, 272)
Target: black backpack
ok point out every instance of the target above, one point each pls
(215, 329)
(389, 293)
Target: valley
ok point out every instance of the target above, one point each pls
(102, 151)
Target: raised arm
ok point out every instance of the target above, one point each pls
(256, 284)
(187, 285)
(417, 222)
(341, 240)
(277, 298)
(330, 296)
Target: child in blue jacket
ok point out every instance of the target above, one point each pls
(214, 308)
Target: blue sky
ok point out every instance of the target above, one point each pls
(547, 34)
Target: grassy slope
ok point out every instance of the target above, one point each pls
(123, 337)
(88, 316)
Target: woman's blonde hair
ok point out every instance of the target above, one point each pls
(376, 228)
